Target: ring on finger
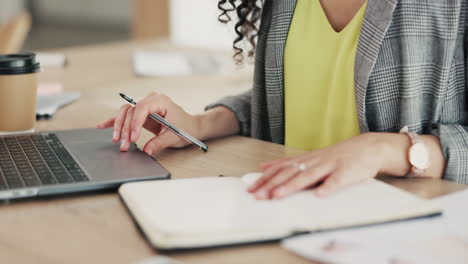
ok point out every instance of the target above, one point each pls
(301, 166)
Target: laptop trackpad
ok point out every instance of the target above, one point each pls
(102, 159)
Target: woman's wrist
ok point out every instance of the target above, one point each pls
(392, 148)
(199, 132)
(216, 122)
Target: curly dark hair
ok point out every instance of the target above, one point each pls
(248, 14)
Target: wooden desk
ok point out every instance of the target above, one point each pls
(96, 228)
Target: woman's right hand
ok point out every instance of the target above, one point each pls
(130, 120)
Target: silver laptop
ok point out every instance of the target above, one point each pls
(47, 163)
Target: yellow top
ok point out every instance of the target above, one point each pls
(320, 107)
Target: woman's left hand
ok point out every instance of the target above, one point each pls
(336, 167)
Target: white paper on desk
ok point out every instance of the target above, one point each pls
(52, 88)
(455, 208)
(429, 240)
(51, 59)
(47, 105)
(160, 64)
(166, 64)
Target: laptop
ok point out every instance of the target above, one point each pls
(60, 162)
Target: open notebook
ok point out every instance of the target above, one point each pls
(217, 211)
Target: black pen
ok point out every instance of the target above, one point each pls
(163, 122)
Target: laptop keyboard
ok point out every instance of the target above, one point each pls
(34, 160)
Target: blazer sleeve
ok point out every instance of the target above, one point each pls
(454, 142)
(454, 137)
(240, 105)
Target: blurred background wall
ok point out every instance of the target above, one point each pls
(195, 23)
(8, 8)
(110, 13)
(65, 23)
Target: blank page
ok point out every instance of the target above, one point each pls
(221, 207)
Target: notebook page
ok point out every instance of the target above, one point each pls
(208, 205)
(213, 205)
(368, 202)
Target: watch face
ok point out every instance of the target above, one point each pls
(419, 156)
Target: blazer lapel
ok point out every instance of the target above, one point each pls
(376, 22)
(282, 13)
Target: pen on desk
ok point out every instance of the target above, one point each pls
(163, 122)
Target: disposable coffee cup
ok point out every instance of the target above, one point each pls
(18, 90)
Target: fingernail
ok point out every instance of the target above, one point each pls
(149, 152)
(134, 136)
(123, 145)
(280, 192)
(261, 195)
(114, 135)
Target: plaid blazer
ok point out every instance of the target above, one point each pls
(410, 69)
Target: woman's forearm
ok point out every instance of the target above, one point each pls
(220, 121)
(395, 148)
(217, 122)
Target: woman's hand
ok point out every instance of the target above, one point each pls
(130, 120)
(335, 167)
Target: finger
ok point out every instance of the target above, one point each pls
(267, 174)
(302, 181)
(142, 110)
(162, 141)
(335, 182)
(272, 170)
(106, 124)
(119, 121)
(152, 126)
(125, 133)
(282, 176)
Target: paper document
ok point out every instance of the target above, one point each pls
(455, 207)
(47, 105)
(427, 240)
(166, 64)
(51, 59)
(49, 88)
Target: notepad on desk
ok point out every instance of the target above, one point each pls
(47, 105)
(170, 64)
(218, 211)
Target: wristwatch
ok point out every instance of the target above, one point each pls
(418, 154)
